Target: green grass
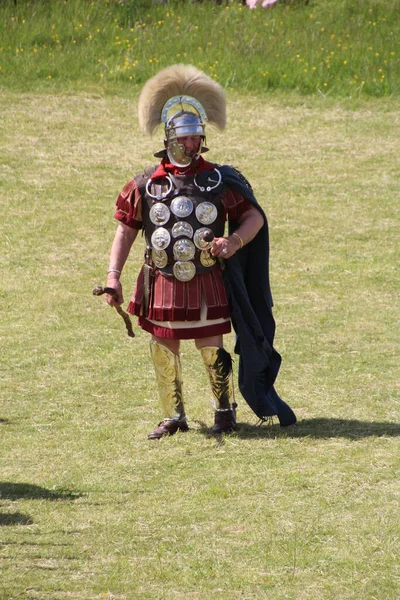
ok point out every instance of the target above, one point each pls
(330, 47)
(89, 508)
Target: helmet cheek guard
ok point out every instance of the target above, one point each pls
(176, 154)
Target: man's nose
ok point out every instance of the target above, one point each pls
(192, 144)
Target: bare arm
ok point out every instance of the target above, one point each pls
(121, 246)
(250, 224)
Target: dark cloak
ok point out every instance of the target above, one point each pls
(248, 286)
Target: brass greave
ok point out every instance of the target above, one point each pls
(218, 363)
(169, 380)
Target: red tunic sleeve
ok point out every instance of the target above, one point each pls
(129, 206)
(234, 204)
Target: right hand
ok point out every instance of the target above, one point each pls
(115, 283)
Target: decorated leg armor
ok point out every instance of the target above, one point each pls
(169, 380)
(219, 366)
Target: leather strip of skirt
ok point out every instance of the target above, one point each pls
(200, 303)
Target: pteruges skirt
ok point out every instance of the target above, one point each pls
(192, 309)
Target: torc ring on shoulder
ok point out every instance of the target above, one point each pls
(164, 194)
(209, 187)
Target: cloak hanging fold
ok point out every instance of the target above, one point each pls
(247, 281)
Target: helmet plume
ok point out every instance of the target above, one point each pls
(179, 80)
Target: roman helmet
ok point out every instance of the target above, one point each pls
(183, 99)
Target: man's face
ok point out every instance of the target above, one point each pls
(191, 144)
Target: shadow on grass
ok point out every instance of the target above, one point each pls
(16, 491)
(323, 428)
(14, 519)
(313, 428)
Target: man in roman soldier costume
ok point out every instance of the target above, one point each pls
(197, 278)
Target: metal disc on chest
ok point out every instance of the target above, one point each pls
(206, 259)
(182, 228)
(206, 213)
(160, 238)
(200, 234)
(159, 214)
(181, 206)
(184, 271)
(159, 258)
(184, 249)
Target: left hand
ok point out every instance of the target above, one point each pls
(225, 247)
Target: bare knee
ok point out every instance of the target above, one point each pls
(172, 345)
(215, 340)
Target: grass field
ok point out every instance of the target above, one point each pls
(89, 508)
(342, 48)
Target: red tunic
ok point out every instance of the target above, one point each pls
(180, 310)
